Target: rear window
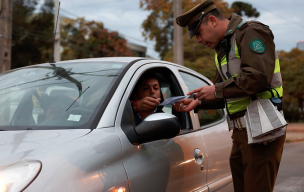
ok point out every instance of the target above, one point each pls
(62, 96)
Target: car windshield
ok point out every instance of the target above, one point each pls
(61, 96)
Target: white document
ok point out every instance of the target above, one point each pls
(74, 117)
(173, 100)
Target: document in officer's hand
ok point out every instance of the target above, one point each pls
(173, 100)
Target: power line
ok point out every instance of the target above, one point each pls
(41, 36)
(100, 3)
(147, 43)
(77, 16)
(279, 16)
(70, 13)
(32, 36)
(73, 5)
(46, 39)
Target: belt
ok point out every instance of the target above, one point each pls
(238, 123)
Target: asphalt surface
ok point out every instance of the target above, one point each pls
(291, 172)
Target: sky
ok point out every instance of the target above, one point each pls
(285, 19)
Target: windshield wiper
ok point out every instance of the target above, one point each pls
(80, 94)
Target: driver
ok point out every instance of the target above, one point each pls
(145, 97)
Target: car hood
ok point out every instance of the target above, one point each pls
(72, 160)
(20, 145)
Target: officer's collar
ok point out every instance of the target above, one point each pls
(235, 20)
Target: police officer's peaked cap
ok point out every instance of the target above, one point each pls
(193, 18)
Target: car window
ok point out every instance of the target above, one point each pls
(169, 88)
(52, 97)
(166, 94)
(206, 117)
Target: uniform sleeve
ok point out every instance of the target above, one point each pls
(257, 66)
(218, 78)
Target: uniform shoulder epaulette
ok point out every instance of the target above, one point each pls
(241, 25)
(257, 22)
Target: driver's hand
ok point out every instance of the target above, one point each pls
(186, 105)
(148, 104)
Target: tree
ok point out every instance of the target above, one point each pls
(197, 57)
(242, 8)
(82, 39)
(159, 27)
(159, 24)
(32, 41)
(292, 71)
(32, 32)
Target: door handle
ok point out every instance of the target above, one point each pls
(199, 157)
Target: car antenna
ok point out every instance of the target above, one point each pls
(52, 61)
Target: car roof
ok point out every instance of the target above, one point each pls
(129, 60)
(113, 59)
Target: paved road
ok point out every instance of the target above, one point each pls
(291, 172)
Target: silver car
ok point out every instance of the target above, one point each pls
(69, 126)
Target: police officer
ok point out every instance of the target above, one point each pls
(253, 66)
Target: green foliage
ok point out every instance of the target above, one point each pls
(32, 40)
(292, 71)
(159, 27)
(82, 39)
(159, 24)
(32, 32)
(197, 57)
(242, 8)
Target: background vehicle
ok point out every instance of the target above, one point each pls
(70, 127)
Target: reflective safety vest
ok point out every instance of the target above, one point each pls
(240, 103)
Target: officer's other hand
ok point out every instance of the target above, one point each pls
(186, 105)
(148, 104)
(205, 93)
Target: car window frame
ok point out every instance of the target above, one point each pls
(132, 82)
(174, 82)
(196, 115)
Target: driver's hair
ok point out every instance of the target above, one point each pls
(145, 76)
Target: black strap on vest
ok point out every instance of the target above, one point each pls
(227, 50)
(225, 46)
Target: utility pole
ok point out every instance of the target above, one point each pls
(178, 34)
(6, 13)
(57, 37)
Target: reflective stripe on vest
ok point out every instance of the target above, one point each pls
(240, 103)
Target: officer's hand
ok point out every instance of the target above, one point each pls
(186, 105)
(148, 104)
(205, 93)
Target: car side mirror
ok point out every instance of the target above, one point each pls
(156, 126)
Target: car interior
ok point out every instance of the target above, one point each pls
(169, 88)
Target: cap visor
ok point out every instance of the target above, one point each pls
(193, 29)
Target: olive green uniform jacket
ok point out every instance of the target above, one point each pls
(257, 68)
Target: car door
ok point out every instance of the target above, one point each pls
(177, 164)
(214, 132)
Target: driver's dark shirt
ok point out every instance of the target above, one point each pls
(138, 119)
